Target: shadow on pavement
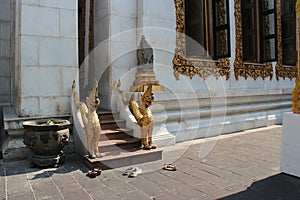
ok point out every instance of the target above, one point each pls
(280, 186)
(72, 163)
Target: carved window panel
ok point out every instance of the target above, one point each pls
(254, 42)
(195, 43)
(259, 35)
(195, 22)
(286, 28)
(221, 29)
(249, 28)
(268, 31)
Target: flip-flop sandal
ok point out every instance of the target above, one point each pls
(128, 171)
(169, 167)
(98, 171)
(94, 172)
(136, 171)
(91, 174)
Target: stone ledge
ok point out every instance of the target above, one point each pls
(201, 128)
(13, 122)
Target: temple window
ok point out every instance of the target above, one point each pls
(259, 30)
(288, 27)
(207, 24)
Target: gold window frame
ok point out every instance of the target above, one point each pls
(201, 67)
(282, 70)
(241, 68)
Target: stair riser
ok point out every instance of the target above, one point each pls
(106, 117)
(117, 147)
(112, 136)
(113, 125)
(122, 162)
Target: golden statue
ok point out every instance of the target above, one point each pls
(90, 119)
(144, 117)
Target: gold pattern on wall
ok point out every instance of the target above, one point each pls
(282, 71)
(192, 67)
(246, 70)
(296, 91)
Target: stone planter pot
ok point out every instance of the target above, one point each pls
(46, 138)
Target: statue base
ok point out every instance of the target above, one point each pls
(143, 88)
(143, 79)
(290, 147)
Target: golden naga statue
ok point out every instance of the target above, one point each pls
(144, 117)
(90, 119)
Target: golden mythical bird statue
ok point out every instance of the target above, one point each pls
(90, 119)
(144, 117)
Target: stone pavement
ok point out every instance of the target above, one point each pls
(238, 166)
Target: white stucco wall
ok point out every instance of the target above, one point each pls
(158, 20)
(6, 52)
(47, 56)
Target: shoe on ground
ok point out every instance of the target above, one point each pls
(169, 167)
(135, 171)
(128, 171)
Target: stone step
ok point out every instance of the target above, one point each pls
(119, 144)
(117, 147)
(174, 116)
(122, 158)
(113, 124)
(110, 134)
(108, 115)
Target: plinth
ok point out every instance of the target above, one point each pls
(290, 147)
(143, 77)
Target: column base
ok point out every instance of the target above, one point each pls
(290, 147)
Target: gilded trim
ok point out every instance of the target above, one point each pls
(296, 91)
(203, 68)
(281, 70)
(246, 70)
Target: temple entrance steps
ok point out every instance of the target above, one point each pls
(117, 146)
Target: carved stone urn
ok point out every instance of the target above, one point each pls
(46, 138)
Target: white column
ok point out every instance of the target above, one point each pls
(290, 148)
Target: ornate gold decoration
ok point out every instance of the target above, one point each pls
(90, 119)
(296, 91)
(197, 66)
(282, 71)
(145, 74)
(246, 70)
(144, 117)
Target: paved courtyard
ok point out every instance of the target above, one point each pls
(241, 165)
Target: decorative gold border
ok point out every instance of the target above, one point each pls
(203, 68)
(281, 70)
(246, 70)
(296, 91)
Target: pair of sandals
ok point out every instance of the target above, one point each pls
(94, 172)
(149, 147)
(169, 167)
(132, 172)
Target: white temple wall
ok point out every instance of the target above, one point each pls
(158, 20)
(191, 108)
(47, 50)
